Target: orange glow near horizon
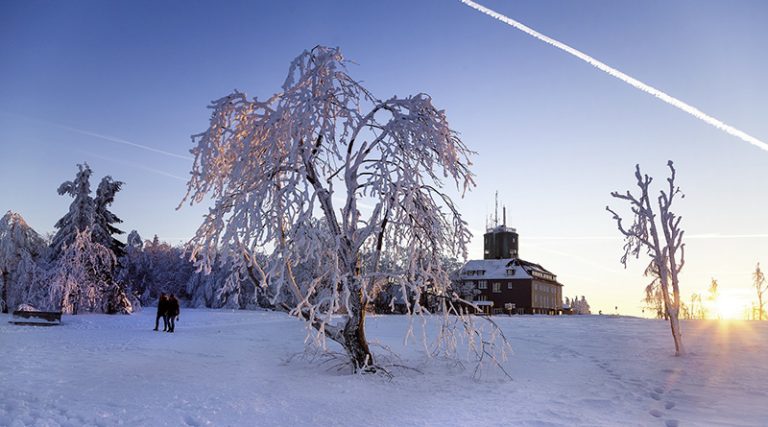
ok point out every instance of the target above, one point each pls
(728, 307)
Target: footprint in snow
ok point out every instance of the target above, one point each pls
(670, 405)
(672, 423)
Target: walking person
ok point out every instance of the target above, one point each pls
(172, 312)
(162, 309)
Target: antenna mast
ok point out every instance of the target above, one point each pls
(504, 208)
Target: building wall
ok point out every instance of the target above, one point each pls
(530, 296)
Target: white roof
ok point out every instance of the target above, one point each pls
(496, 269)
(493, 269)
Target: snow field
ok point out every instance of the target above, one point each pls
(232, 368)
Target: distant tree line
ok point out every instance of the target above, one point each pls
(83, 267)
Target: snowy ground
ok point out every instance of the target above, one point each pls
(227, 368)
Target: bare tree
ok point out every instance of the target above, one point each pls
(760, 286)
(332, 178)
(714, 295)
(666, 249)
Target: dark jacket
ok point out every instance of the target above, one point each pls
(173, 307)
(162, 306)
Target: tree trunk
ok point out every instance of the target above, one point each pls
(354, 339)
(677, 335)
(672, 309)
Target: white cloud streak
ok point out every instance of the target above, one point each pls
(695, 112)
(103, 137)
(135, 165)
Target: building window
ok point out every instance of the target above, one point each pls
(509, 285)
(510, 272)
(482, 284)
(496, 287)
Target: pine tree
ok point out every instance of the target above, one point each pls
(104, 219)
(81, 213)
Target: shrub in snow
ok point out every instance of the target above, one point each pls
(666, 248)
(333, 180)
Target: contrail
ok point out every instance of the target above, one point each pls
(134, 165)
(100, 136)
(695, 112)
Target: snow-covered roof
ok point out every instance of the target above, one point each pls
(479, 269)
(505, 268)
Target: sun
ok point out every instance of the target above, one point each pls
(727, 307)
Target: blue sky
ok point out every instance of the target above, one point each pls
(554, 135)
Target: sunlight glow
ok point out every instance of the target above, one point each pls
(728, 307)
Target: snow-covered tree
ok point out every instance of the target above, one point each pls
(223, 287)
(580, 306)
(81, 213)
(134, 240)
(758, 281)
(159, 268)
(325, 149)
(104, 220)
(82, 279)
(133, 273)
(20, 246)
(666, 249)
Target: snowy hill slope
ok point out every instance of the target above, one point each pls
(227, 368)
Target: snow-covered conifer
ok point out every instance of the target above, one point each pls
(666, 249)
(134, 240)
(321, 171)
(104, 220)
(81, 213)
(583, 306)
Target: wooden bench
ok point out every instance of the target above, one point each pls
(51, 318)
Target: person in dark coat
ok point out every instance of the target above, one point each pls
(162, 309)
(172, 312)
